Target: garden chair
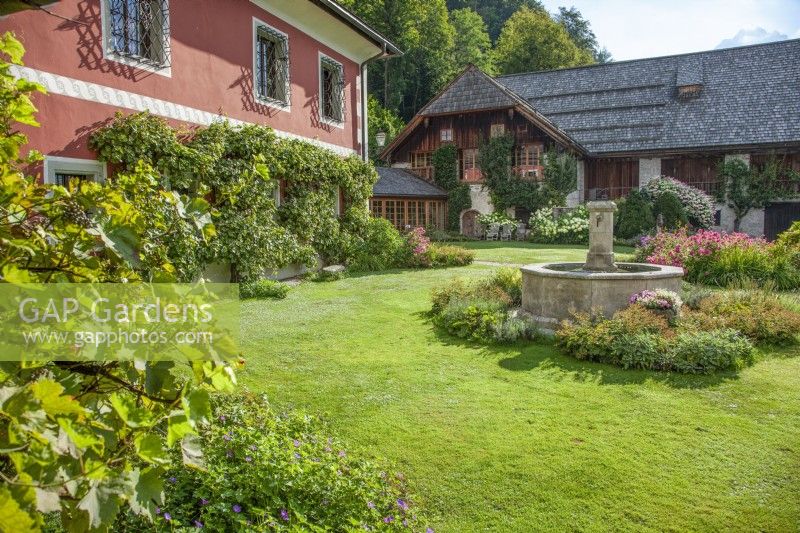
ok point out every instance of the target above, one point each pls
(522, 231)
(505, 232)
(493, 232)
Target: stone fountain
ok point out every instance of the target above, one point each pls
(551, 292)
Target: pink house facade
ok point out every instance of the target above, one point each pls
(298, 66)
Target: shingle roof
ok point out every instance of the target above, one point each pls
(750, 95)
(471, 91)
(399, 182)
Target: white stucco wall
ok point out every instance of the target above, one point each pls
(753, 222)
(481, 201)
(574, 198)
(649, 168)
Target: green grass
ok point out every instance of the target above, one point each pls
(524, 252)
(520, 437)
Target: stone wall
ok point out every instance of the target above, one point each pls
(648, 169)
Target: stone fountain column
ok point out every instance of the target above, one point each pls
(601, 237)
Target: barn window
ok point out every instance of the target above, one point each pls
(271, 65)
(139, 31)
(529, 155)
(497, 130)
(331, 75)
(446, 134)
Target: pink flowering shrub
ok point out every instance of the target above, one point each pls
(418, 241)
(722, 259)
(422, 253)
(661, 300)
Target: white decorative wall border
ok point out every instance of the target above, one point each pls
(102, 94)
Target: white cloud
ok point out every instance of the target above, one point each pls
(754, 36)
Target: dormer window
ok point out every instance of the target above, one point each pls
(686, 92)
(689, 77)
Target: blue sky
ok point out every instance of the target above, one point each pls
(632, 29)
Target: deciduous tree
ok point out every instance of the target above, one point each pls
(531, 40)
(472, 42)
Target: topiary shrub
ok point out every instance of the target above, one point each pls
(698, 205)
(672, 213)
(634, 216)
(270, 471)
(263, 288)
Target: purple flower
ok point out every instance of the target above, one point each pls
(158, 510)
(203, 501)
(429, 530)
(173, 479)
(341, 453)
(371, 505)
(227, 436)
(284, 514)
(296, 455)
(167, 517)
(237, 508)
(402, 505)
(248, 459)
(198, 524)
(222, 418)
(253, 447)
(388, 519)
(296, 443)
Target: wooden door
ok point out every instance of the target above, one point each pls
(469, 224)
(779, 216)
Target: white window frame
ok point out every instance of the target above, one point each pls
(277, 104)
(111, 55)
(446, 134)
(322, 117)
(65, 165)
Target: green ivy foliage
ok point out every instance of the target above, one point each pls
(508, 190)
(83, 439)
(239, 169)
(445, 174)
(745, 188)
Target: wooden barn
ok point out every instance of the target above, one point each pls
(627, 122)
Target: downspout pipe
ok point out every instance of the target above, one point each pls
(365, 100)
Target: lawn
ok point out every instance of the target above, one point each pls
(522, 253)
(520, 437)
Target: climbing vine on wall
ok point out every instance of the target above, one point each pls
(445, 173)
(506, 189)
(239, 169)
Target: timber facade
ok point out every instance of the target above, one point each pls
(626, 122)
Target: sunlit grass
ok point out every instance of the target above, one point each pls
(521, 437)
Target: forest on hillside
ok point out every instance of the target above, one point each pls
(439, 38)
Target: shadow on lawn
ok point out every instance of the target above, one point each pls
(543, 355)
(546, 356)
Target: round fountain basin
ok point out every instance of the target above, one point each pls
(552, 292)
